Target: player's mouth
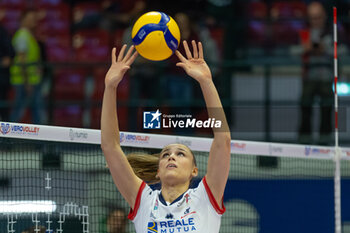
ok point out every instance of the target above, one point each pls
(171, 166)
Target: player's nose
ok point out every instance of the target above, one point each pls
(172, 157)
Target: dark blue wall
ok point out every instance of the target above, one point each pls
(291, 206)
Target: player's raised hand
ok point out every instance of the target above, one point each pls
(119, 65)
(194, 65)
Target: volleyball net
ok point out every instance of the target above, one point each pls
(56, 177)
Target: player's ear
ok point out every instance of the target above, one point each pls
(194, 171)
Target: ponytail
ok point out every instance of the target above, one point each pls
(145, 166)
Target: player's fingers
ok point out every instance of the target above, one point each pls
(182, 65)
(195, 50)
(180, 56)
(126, 67)
(200, 50)
(114, 57)
(187, 50)
(132, 58)
(128, 54)
(121, 53)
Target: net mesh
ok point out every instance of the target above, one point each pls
(294, 193)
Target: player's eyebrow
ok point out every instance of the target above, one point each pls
(181, 149)
(164, 150)
(178, 148)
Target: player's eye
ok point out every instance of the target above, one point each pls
(180, 154)
(165, 155)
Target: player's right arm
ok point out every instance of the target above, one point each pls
(124, 177)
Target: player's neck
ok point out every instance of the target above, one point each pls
(171, 192)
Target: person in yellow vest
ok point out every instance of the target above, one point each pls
(26, 70)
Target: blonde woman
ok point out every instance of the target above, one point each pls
(176, 207)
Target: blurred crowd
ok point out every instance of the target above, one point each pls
(54, 54)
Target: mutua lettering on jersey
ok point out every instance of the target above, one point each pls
(172, 226)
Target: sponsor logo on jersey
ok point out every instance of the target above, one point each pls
(156, 205)
(188, 212)
(169, 216)
(152, 227)
(172, 226)
(187, 197)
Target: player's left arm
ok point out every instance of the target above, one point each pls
(220, 151)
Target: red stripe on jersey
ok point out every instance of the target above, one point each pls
(212, 200)
(133, 212)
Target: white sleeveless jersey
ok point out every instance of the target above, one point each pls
(194, 211)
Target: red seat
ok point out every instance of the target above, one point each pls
(69, 116)
(288, 10)
(299, 9)
(9, 18)
(286, 32)
(84, 9)
(47, 3)
(53, 28)
(122, 118)
(117, 39)
(91, 46)
(218, 34)
(58, 48)
(13, 4)
(124, 88)
(54, 21)
(70, 84)
(59, 12)
(258, 32)
(99, 85)
(96, 118)
(257, 10)
(123, 95)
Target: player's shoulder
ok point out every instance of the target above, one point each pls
(197, 188)
(150, 191)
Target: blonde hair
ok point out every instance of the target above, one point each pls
(145, 166)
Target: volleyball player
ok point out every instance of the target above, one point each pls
(176, 207)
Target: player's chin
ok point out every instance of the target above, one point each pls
(171, 175)
(175, 177)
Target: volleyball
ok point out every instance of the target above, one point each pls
(155, 35)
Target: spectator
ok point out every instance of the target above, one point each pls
(39, 229)
(6, 55)
(116, 221)
(113, 15)
(26, 72)
(317, 44)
